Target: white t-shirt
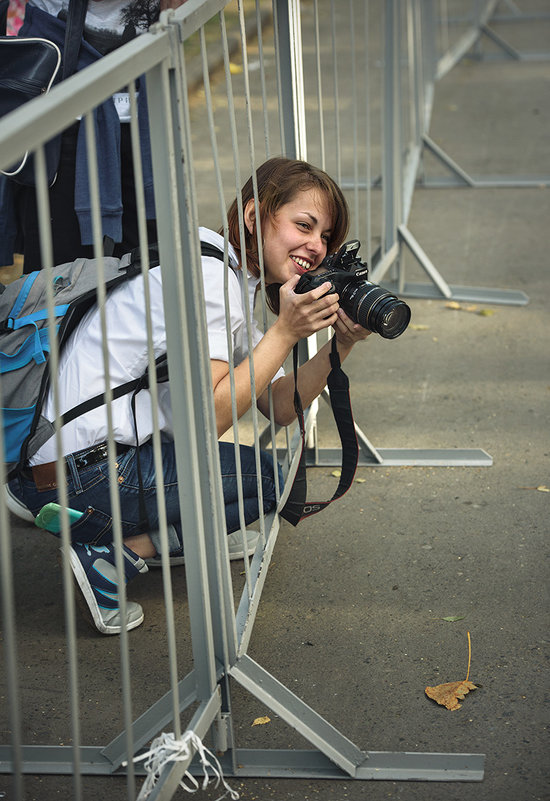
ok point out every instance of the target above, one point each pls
(109, 18)
(81, 374)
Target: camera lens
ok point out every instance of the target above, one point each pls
(375, 309)
(390, 318)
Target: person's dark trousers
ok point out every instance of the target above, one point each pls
(65, 228)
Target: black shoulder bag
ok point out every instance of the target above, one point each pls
(29, 67)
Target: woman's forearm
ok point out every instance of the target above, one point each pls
(268, 356)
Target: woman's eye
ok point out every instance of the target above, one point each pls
(304, 225)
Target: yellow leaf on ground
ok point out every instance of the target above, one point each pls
(235, 69)
(468, 307)
(262, 721)
(448, 694)
(419, 327)
(336, 473)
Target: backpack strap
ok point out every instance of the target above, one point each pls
(74, 29)
(211, 250)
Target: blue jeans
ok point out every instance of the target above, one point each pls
(88, 492)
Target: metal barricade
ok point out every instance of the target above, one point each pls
(273, 95)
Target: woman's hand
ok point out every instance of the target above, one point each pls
(347, 332)
(303, 315)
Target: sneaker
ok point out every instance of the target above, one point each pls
(174, 561)
(234, 544)
(16, 506)
(94, 569)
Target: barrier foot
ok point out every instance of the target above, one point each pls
(460, 177)
(404, 457)
(461, 294)
(378, 765)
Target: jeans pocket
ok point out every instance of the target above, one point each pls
(93, 527)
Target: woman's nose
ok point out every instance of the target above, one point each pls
(316, 244)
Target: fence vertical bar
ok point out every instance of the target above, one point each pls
(291, 78)
(46, 249)
(10, 631)
(175, 250)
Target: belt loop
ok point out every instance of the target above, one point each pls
(73, 472)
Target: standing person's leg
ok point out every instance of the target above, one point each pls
(64, 222)
(130, 231)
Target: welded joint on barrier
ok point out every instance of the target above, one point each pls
(500, 42)
(445, 159)
(166, 26)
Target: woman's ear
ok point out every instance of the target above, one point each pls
(250, 216)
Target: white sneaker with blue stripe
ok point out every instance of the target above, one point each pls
(95, 572)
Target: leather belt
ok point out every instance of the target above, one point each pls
(45, 477)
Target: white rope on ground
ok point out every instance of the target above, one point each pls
(165, 749)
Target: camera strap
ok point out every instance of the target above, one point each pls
(296, 507)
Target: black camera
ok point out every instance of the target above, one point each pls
(365, 303)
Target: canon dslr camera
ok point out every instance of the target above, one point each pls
(364, 302)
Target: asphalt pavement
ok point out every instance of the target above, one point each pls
(379, 596)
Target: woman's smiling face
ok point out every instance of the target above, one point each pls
(295, 238)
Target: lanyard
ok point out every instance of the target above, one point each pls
(296, 507)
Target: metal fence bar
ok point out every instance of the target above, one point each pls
(153, 390)
(170, 204)
(9, 627)
(219, 633)
(398, 185)
(398, 180)
(46, 249)
(478, 28)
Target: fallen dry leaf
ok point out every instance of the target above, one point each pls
(470, 307)
(419, 327)
(262, 721)
(449, 694)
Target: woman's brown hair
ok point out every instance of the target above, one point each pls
(279, 180)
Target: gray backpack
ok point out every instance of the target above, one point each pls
(25, 347)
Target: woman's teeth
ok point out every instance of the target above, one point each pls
(305, 265)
